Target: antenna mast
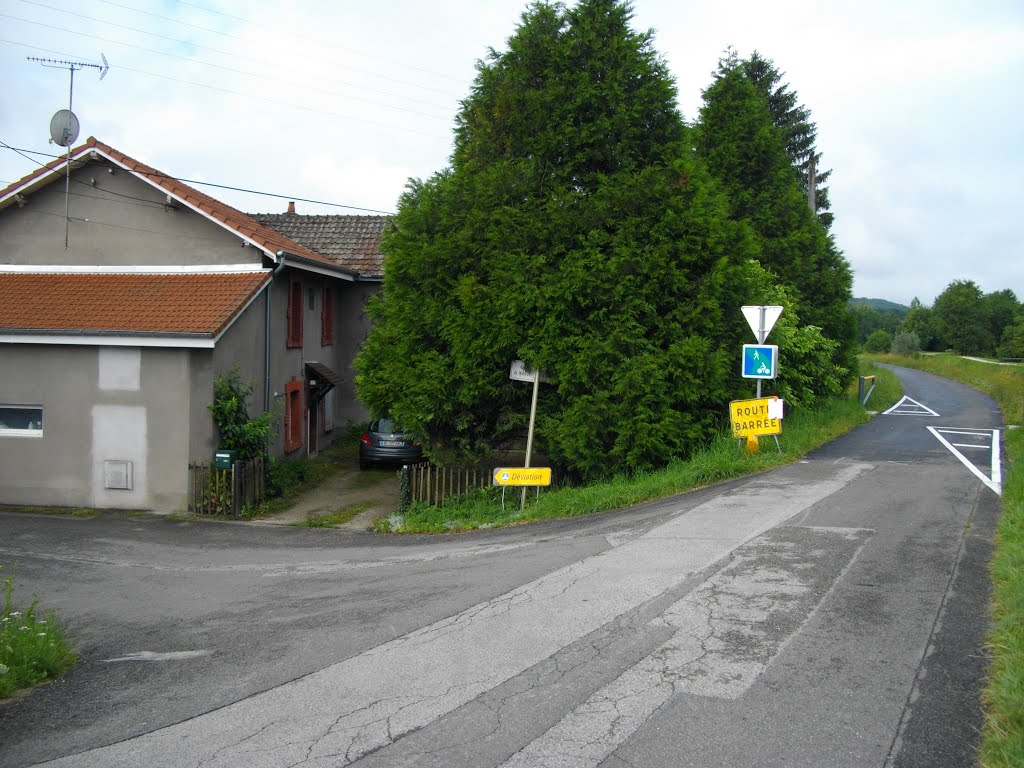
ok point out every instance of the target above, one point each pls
(64, 126)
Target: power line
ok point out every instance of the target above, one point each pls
(24, 153)
(303, 38)
(178, 41)
(207, 86)
(235, 70)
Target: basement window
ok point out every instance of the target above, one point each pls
(21, 421)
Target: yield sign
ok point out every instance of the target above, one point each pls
(761, 320)
(975, 448)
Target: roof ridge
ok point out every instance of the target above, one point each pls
(266, 238)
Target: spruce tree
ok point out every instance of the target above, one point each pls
(747, 152)
(794, 121)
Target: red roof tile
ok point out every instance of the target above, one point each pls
(128, 303)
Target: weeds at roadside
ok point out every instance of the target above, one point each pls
(33, 650)
(1002, 742)
(720, 459)
(334, 519)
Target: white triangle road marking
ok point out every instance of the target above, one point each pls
(994, 479)
(908, 406)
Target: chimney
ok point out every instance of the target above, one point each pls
(291, 206)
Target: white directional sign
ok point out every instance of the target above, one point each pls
(519, 372)
(761, 320)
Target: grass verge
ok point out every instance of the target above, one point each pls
(1002, 744)
(720, 459)
(33, 650)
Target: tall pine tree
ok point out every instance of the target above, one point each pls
(794, 121)
(747, 152)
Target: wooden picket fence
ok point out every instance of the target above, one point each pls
(432, 485)
(215, 491)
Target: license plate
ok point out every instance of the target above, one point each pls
(391, 443)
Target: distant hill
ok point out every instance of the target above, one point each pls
(882, 305)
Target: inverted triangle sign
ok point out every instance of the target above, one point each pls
(753, 315)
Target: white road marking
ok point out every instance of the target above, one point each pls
(341, 713)
(907, 406)
(995, 479)
(155, 656)
(726, 636)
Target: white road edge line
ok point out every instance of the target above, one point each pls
(996, 481)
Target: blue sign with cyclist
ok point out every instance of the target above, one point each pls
(760, 361)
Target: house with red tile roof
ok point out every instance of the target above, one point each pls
(124, 293)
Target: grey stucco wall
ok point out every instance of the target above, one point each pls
(115, 219)
(99, 404)
(353, 325)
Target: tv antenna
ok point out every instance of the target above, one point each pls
(64, 124)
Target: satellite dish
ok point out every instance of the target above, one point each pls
(64, 128)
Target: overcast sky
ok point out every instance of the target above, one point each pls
(918, 105)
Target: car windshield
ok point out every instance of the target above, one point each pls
(386, 426)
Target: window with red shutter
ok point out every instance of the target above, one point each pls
(327, 318)
(295, 315)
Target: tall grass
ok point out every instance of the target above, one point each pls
(1003, 736)
(33, 649)
(721, 458)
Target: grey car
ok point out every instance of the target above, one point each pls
(384, 442)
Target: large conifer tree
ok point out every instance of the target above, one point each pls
(576, 230)
(794, 121)
(747, 153)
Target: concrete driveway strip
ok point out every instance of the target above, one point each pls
(349, 709)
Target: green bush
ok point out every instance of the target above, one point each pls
(230, 409)
(879, 341)
(906, 343)
(33, 650)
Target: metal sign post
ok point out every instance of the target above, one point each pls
(519, 372)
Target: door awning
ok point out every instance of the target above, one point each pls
(321, 379)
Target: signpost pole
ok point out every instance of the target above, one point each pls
(529, 434)
(761, 336)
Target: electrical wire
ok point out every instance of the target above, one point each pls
(245, 73)
(278, 33)
(25, 152)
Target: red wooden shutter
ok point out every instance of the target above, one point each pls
(295, 315)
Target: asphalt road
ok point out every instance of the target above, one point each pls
(831, 612)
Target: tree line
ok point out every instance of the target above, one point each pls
(963, 319)
(585, 227)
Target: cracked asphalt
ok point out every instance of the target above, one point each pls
(828, 613)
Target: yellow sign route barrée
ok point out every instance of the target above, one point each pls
(750, 418)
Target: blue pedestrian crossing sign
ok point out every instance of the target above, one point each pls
(760, 361)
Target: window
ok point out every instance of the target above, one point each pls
(312, 298)
(295, 315)
(293, 415)
(327, 318)
(21, 420)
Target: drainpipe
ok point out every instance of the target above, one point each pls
(266, 334)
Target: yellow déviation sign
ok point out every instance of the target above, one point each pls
(760, 416)
(522, 476)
